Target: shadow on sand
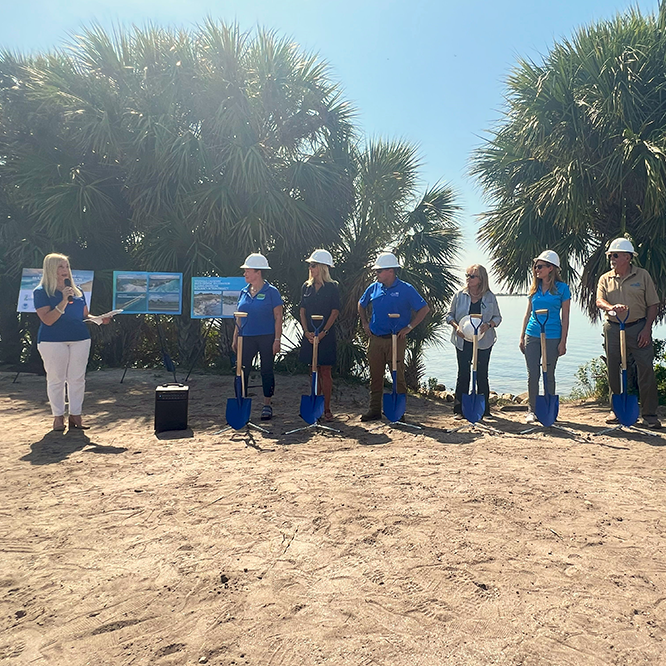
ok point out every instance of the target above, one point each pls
(55, 447)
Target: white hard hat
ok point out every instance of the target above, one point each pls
(621, 245)
(256, 261)
(321, 257)
(386, 260)
(467, 329)
(549, 256)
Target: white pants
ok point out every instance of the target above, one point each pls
(65, 363)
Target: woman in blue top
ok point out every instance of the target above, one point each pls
(262, 328)
(547, 292)
(63, 340)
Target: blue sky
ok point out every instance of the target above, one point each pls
(427, 71)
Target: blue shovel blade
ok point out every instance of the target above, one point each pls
(312, 408)
(625, 407)
(394, 405)
(546, 409)
(473, 406)
(238, 412)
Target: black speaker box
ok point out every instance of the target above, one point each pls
(171, 403)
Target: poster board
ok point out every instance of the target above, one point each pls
(142, 292)
(31, 277)
(215, 297)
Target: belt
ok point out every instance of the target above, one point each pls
(628, 324)
(385, 337)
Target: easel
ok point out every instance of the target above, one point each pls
(166, 359)
(202, 347)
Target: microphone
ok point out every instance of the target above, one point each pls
(68, 283)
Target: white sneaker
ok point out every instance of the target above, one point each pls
(530, 418)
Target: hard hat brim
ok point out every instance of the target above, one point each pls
(467, 329)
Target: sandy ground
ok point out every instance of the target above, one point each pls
(378, 546)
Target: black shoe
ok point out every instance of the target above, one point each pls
(371, 416)
(652, 422)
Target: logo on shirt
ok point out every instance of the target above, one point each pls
(395, 294)
(261, 297)
(635, 284)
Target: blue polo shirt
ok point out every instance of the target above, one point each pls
(68, 327)
(400, 298)
(260, 319)
(552, 303)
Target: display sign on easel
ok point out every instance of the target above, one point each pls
(140, 292)
(31, 277)
(215, 297)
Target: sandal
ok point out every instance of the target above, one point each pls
(328, 415)
(75, 423)
(267, 413)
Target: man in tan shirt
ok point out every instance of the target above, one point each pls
(627, 288)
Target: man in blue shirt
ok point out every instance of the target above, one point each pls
(388, 295)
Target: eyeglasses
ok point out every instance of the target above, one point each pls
(538, 267)
(469, 276)
(313, 265)
(616, 255)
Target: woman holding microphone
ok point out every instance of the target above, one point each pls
(63, 340)
(262, 328)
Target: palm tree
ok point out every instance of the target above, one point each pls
(580, 155)
(174, 150)
(421, 229)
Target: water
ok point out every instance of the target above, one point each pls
(507, 372)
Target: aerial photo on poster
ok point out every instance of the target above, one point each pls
(214, 297)
(31, 278)
(137, 292)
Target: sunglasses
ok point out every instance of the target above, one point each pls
(616, 255)
(380, 270)
(471, 275)
(538, 267)
(313, 265)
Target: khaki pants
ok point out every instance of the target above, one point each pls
(380, 356)
(644, 357)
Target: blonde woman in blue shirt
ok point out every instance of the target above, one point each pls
(547, 292)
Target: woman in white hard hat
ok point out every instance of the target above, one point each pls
(320, 295)
(475, 298)
(262, 328)
(547, 292)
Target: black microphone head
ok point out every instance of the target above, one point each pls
(68, 283)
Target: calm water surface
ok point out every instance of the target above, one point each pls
(507, 365)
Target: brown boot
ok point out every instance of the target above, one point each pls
(371, 415)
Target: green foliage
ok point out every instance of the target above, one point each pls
(579, 157)
(592, 377)
(185, 150)
(592, 381)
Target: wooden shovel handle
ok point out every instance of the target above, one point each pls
(394, 344)
(239, 349)
(315, 345)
